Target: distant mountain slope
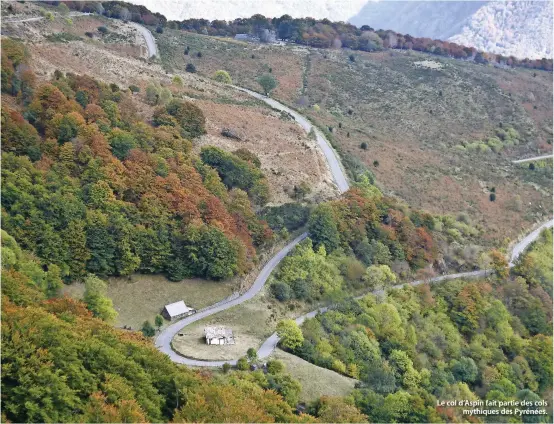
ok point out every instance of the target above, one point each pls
(434, 19)
(519, 28)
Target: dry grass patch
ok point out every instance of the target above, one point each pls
(327, 383)
(142, 297)
(287, 155)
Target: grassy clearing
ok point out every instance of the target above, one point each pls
(144, 296)
(327, 382)
(252, 322)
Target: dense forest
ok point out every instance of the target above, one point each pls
(91, 188)
(488, 339)
(320, 33)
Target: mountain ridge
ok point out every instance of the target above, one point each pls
(512, 28)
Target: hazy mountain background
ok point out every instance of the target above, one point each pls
(519, 28)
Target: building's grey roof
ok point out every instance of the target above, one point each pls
(218, 332)
(177, 308)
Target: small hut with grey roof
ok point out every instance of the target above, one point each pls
(177, 310)
(219, 336)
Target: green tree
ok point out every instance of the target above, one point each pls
(147, 329)
(121, 142)
(268, 83)
(96, 299)
(281, 291)
(242, 364)
(379, 276)
(286, 386)
(465, 370)
(290, 334)
(158, 321)
(380, 253)
(323, 228)
(152, 94)
(251, 354)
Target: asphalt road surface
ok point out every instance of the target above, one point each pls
(532, 159)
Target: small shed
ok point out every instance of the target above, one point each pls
(219, 336)
(177, 310)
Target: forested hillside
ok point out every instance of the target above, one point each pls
(60, 364)
(488, 339)
(90, 187)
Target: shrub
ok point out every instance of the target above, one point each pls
(242, 364)
(275, 366)
(281, 291)
(251, 354)
(226, 367)
(352, 58)
(187, 50)
(177, 80)
(159, 29)
(248, 156)
(147, 329)
(492, 197)
(190, 68)
(103, 29)
(364, 145)
(483, 148)
(222, 76)
(316, 108)
(301, 289)
(495, 144)
(375, 163)
(134, 89)
(199, 54)
(532, 166)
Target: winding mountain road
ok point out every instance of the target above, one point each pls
(164, 339)
(330, 154)
(163, 342)
(533, 158)
(148, 37)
